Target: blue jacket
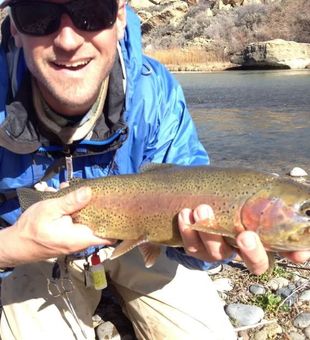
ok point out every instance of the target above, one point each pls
(155, 126)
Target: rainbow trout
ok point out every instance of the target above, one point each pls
(141, 209)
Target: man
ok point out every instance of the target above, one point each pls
(83, 101)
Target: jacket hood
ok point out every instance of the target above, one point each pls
(131, 48)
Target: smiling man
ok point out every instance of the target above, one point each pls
(79, 99)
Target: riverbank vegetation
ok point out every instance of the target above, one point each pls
(213, 39)
(191, 59)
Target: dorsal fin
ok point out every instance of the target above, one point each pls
(158, 167)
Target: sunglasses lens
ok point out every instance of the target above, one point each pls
(41, 18)
(36, 20)
(93, 15)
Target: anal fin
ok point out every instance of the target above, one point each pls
(150, 253)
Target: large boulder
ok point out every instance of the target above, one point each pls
(276, 53)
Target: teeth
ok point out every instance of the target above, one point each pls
(73, 65)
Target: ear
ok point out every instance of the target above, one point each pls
(121, 19)
(15, 34)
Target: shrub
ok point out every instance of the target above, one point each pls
(232, 30)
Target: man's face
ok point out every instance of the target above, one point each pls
(70, 64)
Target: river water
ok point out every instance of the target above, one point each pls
(257, 119)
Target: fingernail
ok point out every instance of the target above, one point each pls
(192, 249)
(83, 194)
(249, 242)
(204, 213)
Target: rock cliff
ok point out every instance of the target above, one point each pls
(242, 29)
(276, 53)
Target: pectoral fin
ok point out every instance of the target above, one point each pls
(209, 226)
(125, 246)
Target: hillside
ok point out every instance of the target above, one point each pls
(212, 31)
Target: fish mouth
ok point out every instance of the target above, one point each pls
(287, 237)
(304, 232)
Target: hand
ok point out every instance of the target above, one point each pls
(209, 247)
(46, 230)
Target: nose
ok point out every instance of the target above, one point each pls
(68, 37)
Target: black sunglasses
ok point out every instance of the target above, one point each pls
(41, 18)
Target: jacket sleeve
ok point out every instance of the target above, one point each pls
(172, 136)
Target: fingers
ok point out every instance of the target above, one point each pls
(71, 202)
(201, 245)
(252, 251)
(190, 238)
(298, 256)
(209, 247)
(78, 237)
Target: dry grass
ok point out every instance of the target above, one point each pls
(191, 59)
(186, 56)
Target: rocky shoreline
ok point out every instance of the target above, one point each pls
(274, 306)
(268, 307)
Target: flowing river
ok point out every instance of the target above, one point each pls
(257, 119)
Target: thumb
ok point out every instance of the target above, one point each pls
(72, 202)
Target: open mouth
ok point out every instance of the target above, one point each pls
(73, 66)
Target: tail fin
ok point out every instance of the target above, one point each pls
(28, 197)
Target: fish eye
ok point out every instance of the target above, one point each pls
(305, 209)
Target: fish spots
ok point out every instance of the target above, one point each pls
(127, 207)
